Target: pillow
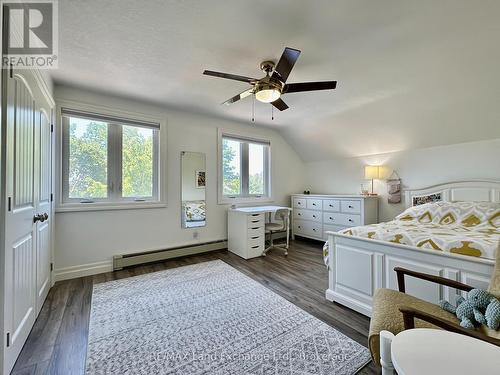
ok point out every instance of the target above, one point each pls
(467, 214)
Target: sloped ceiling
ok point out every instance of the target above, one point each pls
(410, 74)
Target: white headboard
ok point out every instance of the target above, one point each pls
(472, 190)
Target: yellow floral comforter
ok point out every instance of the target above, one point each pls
(467, 228)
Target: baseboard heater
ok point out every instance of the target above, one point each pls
(126, 260)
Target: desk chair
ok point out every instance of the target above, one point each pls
(283, 221)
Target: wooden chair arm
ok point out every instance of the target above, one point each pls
(410, 314)
(401, 272)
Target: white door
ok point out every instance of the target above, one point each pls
(27, 228)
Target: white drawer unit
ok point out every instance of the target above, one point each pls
(246, 229)
(314, 215)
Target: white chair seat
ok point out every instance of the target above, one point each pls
(274, 226)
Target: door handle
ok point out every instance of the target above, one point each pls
(40, 217)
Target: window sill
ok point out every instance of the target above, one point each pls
(225, 200)
(77, 207)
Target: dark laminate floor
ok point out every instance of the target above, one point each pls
(58, 342)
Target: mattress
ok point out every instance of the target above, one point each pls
(466, 228)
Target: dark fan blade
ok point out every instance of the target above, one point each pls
(280, 104)
(286, 63)
(309, 86)
(229, 76)
(240, 96)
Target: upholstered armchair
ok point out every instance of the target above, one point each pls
(395, 311)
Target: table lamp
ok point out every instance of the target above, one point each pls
(372, 172)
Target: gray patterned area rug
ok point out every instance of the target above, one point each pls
(209, 318)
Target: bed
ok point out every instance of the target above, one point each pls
(193, 214)
(450, 230)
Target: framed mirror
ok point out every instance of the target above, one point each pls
(193, 182)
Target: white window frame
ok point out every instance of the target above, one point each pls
(114, 199)
(244, 197)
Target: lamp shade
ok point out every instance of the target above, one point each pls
(371, 172)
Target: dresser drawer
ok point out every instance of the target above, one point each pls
(332, 218)
(314, 216)
(299, 202)
(349, 220)
(315, 229)
(256, 220)
(300, 227)
(351, 207)
(331, 205)
(314, 204)
(299, 214)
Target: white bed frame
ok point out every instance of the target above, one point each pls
(359, 266)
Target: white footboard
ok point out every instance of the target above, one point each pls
(359, 266)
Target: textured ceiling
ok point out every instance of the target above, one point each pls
(410, 74)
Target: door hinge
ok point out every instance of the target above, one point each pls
(52, 128)
(9, 204)
(52, 197)
(8, 340)
(51, 267)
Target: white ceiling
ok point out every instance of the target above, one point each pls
(410, 74)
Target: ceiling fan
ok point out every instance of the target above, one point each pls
(270, 88)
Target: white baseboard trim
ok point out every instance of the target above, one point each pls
(81, 270)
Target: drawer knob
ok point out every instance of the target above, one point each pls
(331, 218)
(314, 229)
(331, 205)
(350, 206)
(298, 226)
(314, 216)
(350, 220)
(314, 204)
(299, 214)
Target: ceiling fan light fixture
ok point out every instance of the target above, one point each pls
(268, 95)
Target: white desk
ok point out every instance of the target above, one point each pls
(246, 229)
(434, 351)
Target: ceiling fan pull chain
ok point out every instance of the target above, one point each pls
(253, 108)
(272, 112)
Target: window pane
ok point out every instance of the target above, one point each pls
(88, 158)
(256, 168)
(231, 168)
(137, 162)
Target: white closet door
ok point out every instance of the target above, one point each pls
(20, 233)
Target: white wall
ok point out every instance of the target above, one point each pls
(417, 168)
(86, 241)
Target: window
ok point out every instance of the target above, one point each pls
(245, 170)
(108, 159)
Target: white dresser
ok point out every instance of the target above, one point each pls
(313, 215)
